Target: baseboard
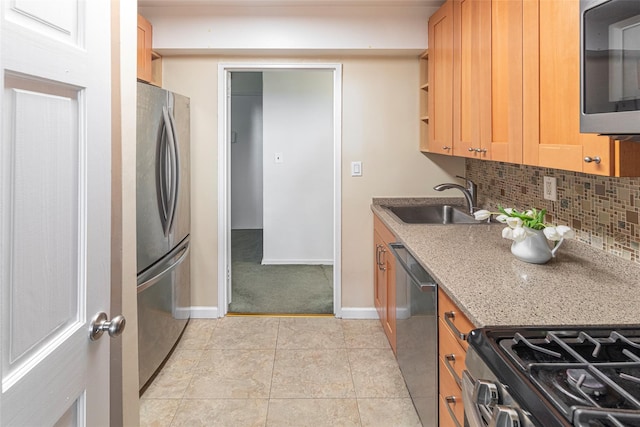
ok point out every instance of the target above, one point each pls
(297, 261)
(204, 312)
(359, 313)
(347, 313)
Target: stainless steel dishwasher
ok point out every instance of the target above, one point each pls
(417, 333)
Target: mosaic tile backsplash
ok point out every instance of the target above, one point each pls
(603, 211)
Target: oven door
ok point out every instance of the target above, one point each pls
(472, 414)
(486, 399)
(487, 403)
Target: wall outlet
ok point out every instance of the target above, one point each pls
(550, 188)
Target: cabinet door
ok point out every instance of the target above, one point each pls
(144, 49)
(500, 79)
(441, 80)
(380, 278)
(390, 321)
(466, 70)
(552, 82)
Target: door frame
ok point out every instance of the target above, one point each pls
(224, 171)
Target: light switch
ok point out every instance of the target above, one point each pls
(356, 168)
(278, 158)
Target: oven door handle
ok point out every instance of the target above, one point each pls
(471, 410)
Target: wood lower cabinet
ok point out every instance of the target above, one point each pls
(385, 279)
(452, 349)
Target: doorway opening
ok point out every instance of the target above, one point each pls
(279, 189)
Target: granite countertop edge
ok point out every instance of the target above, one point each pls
(473, 265)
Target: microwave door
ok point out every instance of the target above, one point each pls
(610, 66)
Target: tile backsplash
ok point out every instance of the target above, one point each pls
(603, 211)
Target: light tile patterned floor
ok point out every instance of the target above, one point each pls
(277, 372)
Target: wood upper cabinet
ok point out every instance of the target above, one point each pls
(144, 49)
(486, 82)
(466, 71)
(504, 85)
(552, 135)
(440, 98)
(385, 280)
(500, 80)
(424, 101)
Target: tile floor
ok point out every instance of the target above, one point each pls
(280, 371)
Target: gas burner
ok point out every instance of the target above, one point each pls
(567, 377)
(582, 379)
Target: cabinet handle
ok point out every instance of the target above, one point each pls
(595, 160)
(448, 358)
(447, 319)
(471, 149)
(480, 150)
(450, 400)
(446, 147)
(381, 251)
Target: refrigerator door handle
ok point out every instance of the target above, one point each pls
(182, 251)
(175, 169)
(162, 171)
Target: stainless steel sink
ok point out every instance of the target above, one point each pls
(432, 214)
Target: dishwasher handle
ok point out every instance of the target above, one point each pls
(424, 286)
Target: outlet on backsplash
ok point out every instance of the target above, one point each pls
(603, 211)
(550, 188)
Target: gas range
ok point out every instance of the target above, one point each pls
(557, 376)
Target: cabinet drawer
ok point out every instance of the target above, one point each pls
(449, 313)
(449, 389)
(444, 417)
(450, 351)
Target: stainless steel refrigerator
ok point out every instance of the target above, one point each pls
(163, 223)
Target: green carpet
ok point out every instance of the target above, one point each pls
(275, 289)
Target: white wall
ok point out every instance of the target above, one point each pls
(379, 127)
(214, 30)
(246, 150)
(298, 189)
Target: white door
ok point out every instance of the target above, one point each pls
(55, 200)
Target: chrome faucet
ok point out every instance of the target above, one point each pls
(470, 192)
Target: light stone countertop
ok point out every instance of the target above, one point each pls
(473, 264)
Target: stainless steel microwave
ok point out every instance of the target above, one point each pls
(610, 67)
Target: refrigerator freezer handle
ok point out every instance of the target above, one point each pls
(183, 251)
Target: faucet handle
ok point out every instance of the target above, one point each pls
(467, 181)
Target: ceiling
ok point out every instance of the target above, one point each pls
(290, 3)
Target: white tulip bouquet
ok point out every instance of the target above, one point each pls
(520, 224)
